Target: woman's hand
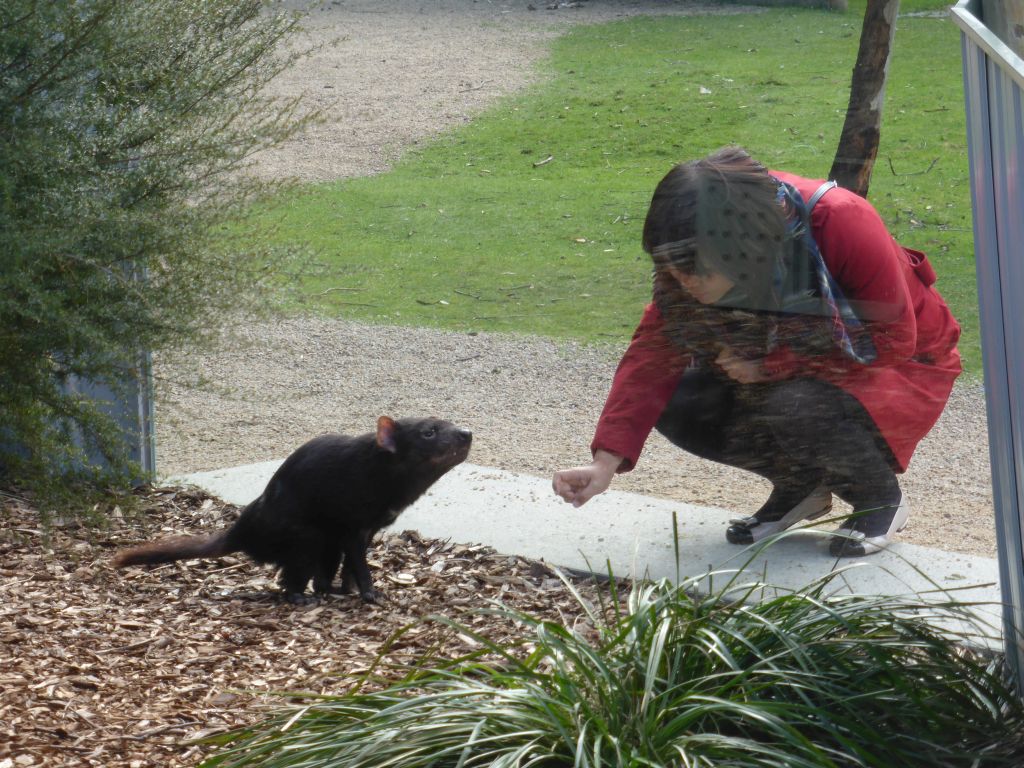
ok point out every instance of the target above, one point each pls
(740, 368)
(580, 484)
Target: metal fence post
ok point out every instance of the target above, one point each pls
(993, 84)
(130, 405)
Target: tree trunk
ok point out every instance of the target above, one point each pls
(862, 130)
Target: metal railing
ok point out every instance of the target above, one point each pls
(993, 83)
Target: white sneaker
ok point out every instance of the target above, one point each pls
(749, 530)
(848, 541)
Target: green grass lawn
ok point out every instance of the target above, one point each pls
(528, 219)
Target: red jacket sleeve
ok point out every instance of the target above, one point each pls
(644, 382)
(872, 271)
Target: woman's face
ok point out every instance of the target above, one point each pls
(707, 289)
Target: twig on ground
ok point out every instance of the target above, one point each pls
(332, 290)
(476, 87)
(912, 173)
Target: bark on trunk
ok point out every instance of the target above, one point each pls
(862, 129)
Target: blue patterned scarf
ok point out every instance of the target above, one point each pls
(783, 293)
(848, 332)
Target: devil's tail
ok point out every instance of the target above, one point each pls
(176, 548)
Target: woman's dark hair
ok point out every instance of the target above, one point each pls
(718, 214)
(726, 214)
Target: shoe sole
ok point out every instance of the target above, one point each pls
(816, 504)
(871, 545)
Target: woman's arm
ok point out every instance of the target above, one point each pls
(646, 378)
(644, 382)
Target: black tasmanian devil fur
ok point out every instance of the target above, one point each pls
(324, 504)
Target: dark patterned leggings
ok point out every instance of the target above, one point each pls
(798, 434)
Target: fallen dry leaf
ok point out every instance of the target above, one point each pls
(100, 667)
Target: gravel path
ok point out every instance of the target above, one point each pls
(397, 73)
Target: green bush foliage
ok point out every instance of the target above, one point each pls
(748, 676)
(124, 131)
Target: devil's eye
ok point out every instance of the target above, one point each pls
(429, 433)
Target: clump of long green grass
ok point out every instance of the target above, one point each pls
(674, 678)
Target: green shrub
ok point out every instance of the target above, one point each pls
(809, 678)
(123, 130)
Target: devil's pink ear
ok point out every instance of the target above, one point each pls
(386, 428)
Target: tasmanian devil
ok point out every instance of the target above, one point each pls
(323, 505)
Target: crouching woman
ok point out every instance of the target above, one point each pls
(789, 335)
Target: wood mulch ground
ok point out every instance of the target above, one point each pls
(100, 667)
